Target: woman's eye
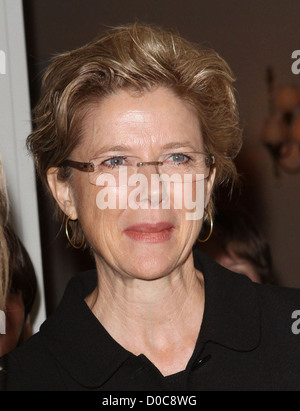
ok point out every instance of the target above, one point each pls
(114, 162)
(179, 158)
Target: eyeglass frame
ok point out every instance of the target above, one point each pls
(88, 167)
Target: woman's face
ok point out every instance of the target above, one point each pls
(145, 241)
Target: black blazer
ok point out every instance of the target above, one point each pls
(248, 341)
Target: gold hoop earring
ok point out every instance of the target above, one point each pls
(68, 236)
(211, 227)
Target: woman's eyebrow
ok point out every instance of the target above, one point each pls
(180, 144)
(106, 149)
(126, 148)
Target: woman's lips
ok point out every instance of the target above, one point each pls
(150, 233)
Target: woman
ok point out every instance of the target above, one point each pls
(132, 132)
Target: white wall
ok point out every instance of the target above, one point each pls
(15, 125)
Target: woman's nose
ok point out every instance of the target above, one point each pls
(151, 189)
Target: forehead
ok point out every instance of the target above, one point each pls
(140, 121)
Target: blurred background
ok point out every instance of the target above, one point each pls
(257, 39)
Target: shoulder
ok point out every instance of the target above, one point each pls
(278, 299)
(280, 308)
(28, 367)
(280, 334)
(276, 308)
(38, 363)
(270, 297)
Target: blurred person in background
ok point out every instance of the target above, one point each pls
(238, 244)
(19, 285)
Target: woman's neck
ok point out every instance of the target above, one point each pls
(153, 317)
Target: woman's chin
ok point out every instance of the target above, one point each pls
(147, 267)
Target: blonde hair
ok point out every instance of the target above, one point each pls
(139, 57)
(4, 250)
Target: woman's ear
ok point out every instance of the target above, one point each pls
(62, 192)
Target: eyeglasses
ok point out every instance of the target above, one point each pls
(112, 170)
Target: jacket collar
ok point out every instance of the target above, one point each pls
(74, 335)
